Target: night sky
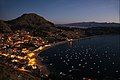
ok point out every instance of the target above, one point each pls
(63, 11)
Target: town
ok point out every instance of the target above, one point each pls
(19, 50)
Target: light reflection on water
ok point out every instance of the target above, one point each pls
(92, 58)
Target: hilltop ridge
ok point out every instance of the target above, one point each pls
(30, 19)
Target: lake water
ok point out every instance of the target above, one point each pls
(95, 58)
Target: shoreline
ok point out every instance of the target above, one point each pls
(62, 42)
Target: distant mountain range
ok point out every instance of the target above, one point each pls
(89, 25)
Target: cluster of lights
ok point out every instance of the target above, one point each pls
(12, 51)
(30, 57)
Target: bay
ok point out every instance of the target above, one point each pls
(95, 58)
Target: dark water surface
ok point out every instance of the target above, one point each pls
(96, 58)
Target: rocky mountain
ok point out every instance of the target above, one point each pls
(30, 19)
(26, 21)
(30, 22)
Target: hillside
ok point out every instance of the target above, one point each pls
(31, 22)
(4, 27)
(30, 19)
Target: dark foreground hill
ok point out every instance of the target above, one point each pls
(30, 19)
(26, 21)
(30, 22)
